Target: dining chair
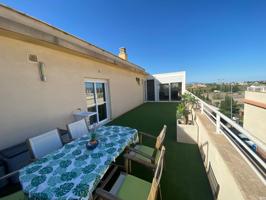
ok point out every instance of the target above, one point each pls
(77, 129)
(143, 154)
(129, 187)
(45, 143)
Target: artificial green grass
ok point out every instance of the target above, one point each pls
(184, 176)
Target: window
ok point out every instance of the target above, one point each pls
(96, 99)
(101, 101)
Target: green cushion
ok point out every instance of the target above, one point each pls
(134, 188)
(147, 150)
(15, 196)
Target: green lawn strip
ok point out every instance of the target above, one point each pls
(184, 176)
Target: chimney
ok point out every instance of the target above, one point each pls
(122, 53)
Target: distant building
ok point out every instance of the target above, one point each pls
(257, 88)
(198, 85)
(255, 112)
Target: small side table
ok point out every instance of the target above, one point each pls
(79, 115)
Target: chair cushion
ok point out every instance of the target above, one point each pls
(146, 150)
(15, 196)
(134, 188)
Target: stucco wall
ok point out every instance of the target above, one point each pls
(228, 185)
(29, 106)
(198, 133)
(236, 178)
(254, 117)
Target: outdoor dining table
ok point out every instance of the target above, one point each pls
(73, 171)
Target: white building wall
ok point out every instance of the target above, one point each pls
(254, 116)
(167, 78)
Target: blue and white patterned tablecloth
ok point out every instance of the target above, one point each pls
(73, 172)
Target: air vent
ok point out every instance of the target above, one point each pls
(33, 58)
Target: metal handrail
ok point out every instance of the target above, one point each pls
(232, 123)
(209, 113)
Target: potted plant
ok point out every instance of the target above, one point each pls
(189, 100)
(93, 141)
(185, 107)
(186, 131)
(182, 113)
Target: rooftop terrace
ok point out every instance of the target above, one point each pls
(184, 176)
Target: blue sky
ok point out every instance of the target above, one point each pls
(210, 40)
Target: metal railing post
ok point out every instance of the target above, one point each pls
(218, 123)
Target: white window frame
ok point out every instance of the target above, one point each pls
(107, 98)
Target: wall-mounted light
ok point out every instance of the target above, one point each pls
(42, 71)
(32, 58)
(138, 80)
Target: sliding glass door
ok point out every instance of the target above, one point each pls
(170, 91)
(97, 100)
(176, 89)
(150, 90)
(164, 92)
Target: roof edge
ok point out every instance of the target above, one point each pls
(170, 73)
(22, 24)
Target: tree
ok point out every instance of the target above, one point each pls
(225, 106)
(235, 88)
(207, 98)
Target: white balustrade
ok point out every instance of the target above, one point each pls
(222, 123)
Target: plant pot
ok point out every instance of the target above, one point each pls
(186, 133)
(92, 144)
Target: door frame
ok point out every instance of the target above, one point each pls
(107, 99)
